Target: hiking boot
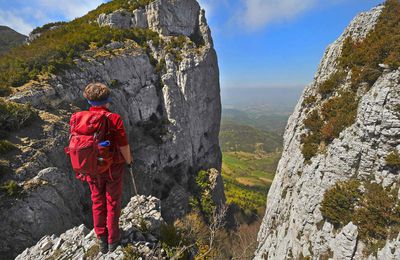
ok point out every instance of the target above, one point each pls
(103, 245)
(113, 246)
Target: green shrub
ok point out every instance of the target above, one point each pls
(382, 45)
(339, 113)
(311, 141)
(313, 122)
(11, 188)
(161, 65)
(170, 235)
(173, 239)
(396, 110)
(13, 116)
(143, 226)
(377, 216)
(130, 252)
(92, 252)
(6, 147)
(175, 46)
(115, 83)
(335, 115)
(393, 159)
(376, 211)
(310, 145)
(206, 203)
(330, 85)
(4, 167)
(338, 204)
(309, 100)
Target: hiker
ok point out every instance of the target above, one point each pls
(102, 165)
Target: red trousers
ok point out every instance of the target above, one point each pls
(106, 202)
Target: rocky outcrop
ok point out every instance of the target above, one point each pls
(293, 226)
(50, 205)
(81, 243)
(166, 17)
(171, 110)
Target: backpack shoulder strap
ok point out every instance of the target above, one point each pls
(108, 125)
(72, 124)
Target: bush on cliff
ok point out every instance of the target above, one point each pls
(330, 85)
(202, 200)
(326, 124)
(6, 146)
(377, 216)
(11, 188)
(374, 209)
(393, 159)
(338, 204)
(13, 116)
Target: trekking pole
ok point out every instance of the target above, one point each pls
(133, 179)
(134, 187)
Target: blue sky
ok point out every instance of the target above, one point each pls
(260, 43)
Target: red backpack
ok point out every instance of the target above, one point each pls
(88, 156)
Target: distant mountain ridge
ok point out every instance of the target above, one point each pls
(9, 39)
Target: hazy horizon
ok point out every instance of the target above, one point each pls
(278, 99)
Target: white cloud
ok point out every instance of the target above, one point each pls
(258, 13)
(13, 20)
(70, 9)
(24, 17)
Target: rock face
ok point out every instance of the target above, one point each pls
(48, 207)
(163, 16)
(81, 243)
(293, 226)
(172, 114)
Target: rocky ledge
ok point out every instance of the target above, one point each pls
(140, 222)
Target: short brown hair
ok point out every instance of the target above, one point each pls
(96, 92)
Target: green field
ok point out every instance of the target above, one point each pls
(247, 178)
(245, 138)
(250, 158)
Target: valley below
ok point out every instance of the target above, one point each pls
(251, 140)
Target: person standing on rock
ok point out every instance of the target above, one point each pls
(99, 150)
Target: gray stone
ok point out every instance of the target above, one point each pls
(46, 245)
(173, 17)
(345, 243)
(139, 18)
(79, 240)
(120, 19)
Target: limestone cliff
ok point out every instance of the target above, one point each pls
(166, 89)
(314, 175)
